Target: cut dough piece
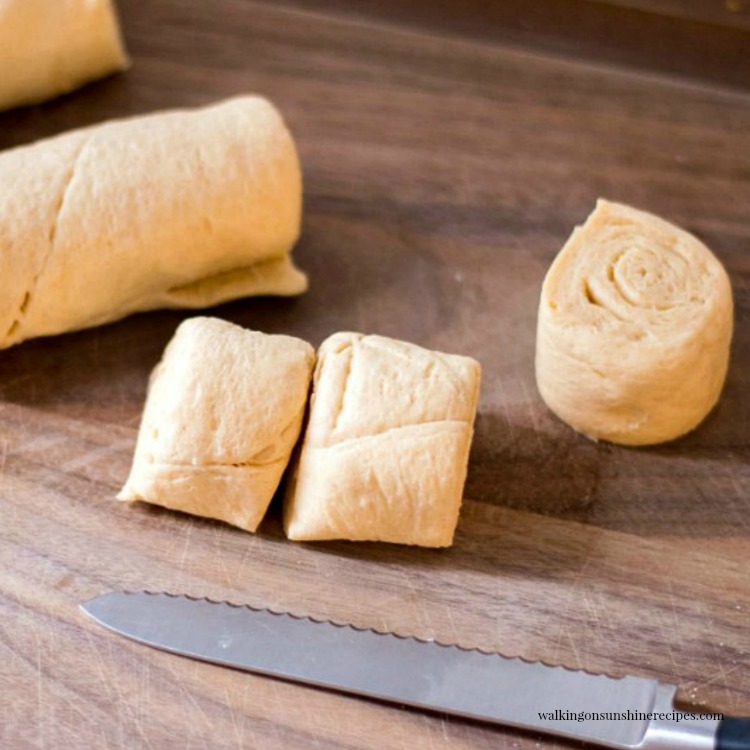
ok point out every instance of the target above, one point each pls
(50, 47)
(386, 449)
(634, 328)
(175, 209)
(224, 410)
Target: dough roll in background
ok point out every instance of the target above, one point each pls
(174, 209)
(634, 329)
(50, 47)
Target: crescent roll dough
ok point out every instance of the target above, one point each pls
(223, 412)
(386, 448)
(50, 47)
(634, 328)
(177, 209)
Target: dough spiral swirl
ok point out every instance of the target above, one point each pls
(634, 328)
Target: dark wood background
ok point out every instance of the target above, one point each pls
(448, 148)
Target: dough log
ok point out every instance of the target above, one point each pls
(223, 412)
(50, 47)
(175, 209)
(386, 448)
(634, 329)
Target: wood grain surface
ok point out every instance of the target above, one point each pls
(706, 40)
(442, 173)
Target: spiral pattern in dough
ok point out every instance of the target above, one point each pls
(634, 328)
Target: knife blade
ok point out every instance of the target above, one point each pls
(623, 713)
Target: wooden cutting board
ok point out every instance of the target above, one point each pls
(443, 173)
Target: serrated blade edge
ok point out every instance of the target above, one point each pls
(470, 683)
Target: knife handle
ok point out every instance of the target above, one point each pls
(733, 734)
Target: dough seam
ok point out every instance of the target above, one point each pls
(347, 377)
(215, 465)
(249, 464)
(52, 237)
(178, 289)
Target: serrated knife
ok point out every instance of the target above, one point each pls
(628, 712)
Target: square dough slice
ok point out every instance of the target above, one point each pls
(385, 453)
(223, 413)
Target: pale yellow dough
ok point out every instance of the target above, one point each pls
(386, 448)
(174, 209)
(50, 47)
(634, 329)
(224, 410)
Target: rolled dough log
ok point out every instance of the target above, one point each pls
(387, 444)
(223, 412)
(50, 47)
(175, 209)
(634, 328)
